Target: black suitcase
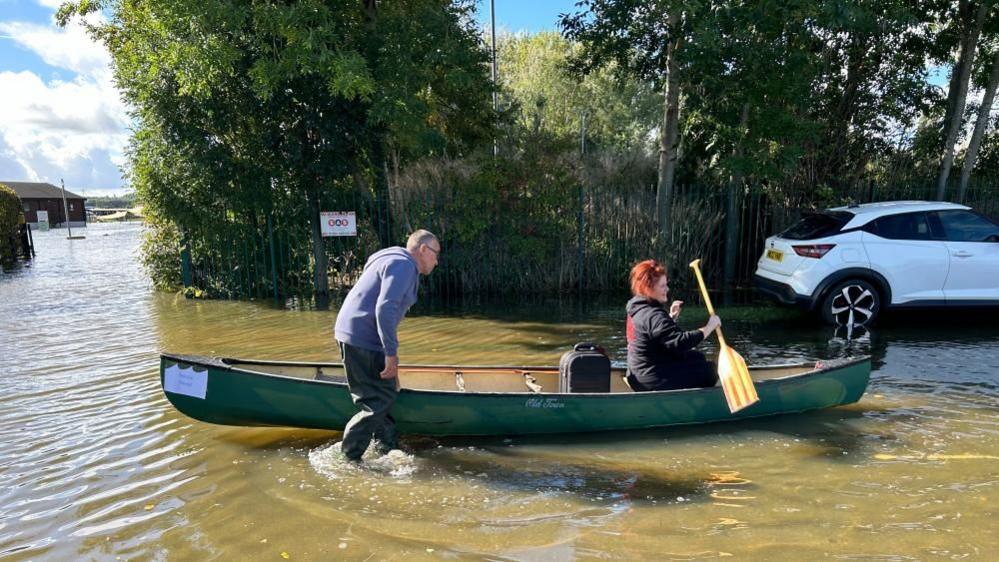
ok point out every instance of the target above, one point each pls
(584, 369)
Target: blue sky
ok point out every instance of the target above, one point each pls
(526, 15)
(62, 118)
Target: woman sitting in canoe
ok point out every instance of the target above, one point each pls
(661, 356)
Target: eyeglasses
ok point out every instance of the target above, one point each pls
(429, 247)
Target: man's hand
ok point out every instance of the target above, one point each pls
(391, 367)
(674, 309)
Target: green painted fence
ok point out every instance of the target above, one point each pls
(533, 241)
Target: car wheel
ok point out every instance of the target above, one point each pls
(854, 302)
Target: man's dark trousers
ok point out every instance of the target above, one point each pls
(374, 395)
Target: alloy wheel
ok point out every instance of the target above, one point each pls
(854, 304)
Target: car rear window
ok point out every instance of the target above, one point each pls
(817, 225)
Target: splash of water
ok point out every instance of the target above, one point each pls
(329, 461)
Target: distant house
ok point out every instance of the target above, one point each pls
(47, 197)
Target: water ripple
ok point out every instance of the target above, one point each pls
(96, 464)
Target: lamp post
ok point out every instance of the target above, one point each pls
(65, 209)
(492, 16)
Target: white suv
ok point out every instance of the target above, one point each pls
(848, 263)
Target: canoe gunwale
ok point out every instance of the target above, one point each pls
(226, 364)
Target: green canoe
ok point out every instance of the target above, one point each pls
(453, 400)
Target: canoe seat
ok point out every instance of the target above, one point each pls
(624, 379)
(532, 383)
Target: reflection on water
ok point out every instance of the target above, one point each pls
(96, 464)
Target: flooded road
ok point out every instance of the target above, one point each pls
(96, 464)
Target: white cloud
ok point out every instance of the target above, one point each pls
(89, 172)
(75, 129)
(69, 48)
(12, 166)
(83, 106)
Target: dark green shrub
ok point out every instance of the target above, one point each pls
(10, 217)
(161, 253)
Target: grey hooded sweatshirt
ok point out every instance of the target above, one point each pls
(378, 302)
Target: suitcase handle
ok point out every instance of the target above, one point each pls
(589, 346)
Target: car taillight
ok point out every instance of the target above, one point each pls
(813, 250)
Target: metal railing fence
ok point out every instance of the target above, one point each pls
(540, 239)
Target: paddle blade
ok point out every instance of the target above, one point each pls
(735, 380)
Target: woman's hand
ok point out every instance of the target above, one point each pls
(713, 323)
(674, 309)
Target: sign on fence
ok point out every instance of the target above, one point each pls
(338, 224)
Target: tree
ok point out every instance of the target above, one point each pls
(646, 39)
(870, 82)
(751, 71)
(960, 78)
(621, 112)
(825, 82)
(10, 216)
(991, 83)
(981, 123)
(242, 108)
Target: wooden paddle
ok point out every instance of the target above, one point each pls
(732, 369)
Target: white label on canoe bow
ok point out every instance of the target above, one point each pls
(185, 381)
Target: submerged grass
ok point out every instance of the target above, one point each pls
(753, 314)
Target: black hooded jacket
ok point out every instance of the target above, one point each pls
(658, 342)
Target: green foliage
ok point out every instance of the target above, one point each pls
(161, 247)
(751, 314)
(988, 159)
(870, 82)
(634, 34)
(546, 95)
(254, 116)
(795, 91)
(531, 197)
(10, 217)
(268, 109)
(511, 223)
(123, 201)
(194, 293)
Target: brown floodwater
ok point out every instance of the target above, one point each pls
(96, 464)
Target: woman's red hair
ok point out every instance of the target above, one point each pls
(644, 277)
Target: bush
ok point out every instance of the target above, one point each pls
(10, 217)
(161, 254)
(511, 223)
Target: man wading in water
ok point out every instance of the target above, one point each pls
(366, 332)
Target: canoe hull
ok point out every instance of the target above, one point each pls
(240, 397)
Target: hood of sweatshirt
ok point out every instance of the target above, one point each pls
(394, 251)
(637, 304)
